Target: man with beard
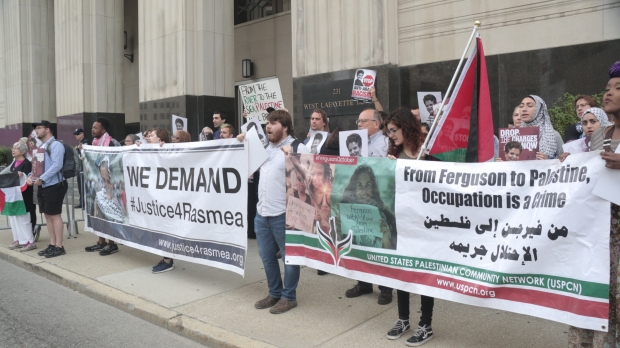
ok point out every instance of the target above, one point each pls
(52, 188)
(318, 122)
(226, 131)
(270, 220)
(99, 131)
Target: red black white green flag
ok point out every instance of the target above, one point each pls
(465, 130)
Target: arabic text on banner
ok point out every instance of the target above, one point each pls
(527, 237)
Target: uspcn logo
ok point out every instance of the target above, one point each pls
(368, 80)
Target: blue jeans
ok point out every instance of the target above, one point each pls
(270, 234)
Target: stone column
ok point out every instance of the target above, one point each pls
(89, 65)
(331, 39)
(27, 77)
(186, 61)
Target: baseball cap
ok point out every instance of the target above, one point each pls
(44, 123)
(78, 131)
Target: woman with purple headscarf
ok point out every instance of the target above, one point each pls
(606, 140)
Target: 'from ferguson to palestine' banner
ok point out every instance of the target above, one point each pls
(527, 237)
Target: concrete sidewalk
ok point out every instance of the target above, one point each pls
(216, 307)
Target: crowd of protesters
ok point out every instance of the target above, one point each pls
(397, 135)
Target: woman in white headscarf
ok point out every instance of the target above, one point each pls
(107, 206)
(534, 114)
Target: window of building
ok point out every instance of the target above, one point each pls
(249, 10)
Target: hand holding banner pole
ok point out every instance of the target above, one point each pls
(450, 87)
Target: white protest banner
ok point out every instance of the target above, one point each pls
(363, 81)
(179, 123)
(527, 237)
(258, 96)
(183, 201)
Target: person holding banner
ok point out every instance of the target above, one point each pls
(101, 137)
(607, 140)
(378, 143)
(270, 220)
(181, 136)
(534, 114)
(406, 139)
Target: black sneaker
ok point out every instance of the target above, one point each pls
(385, 297)
(163, 266)
(96, 247)
(422, 335)
(108, 250)
(399, 329)
(46, 250)
(56, 252)
(358, 290)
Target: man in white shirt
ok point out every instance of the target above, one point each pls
(269, 223)
(370, 119)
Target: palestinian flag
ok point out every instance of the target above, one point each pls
(11, 188)
(465, 130)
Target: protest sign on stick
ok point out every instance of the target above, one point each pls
(363, 81)
(257, 97)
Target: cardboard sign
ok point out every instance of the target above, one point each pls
(259, 96)
(38, 163)
(299, 215)
(362, 82)
(527, 138)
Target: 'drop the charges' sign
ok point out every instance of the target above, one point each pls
(259, 96)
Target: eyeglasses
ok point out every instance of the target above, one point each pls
(393, 131)
(40, 127)
(362, 121)
(578, 106)
(175, 137)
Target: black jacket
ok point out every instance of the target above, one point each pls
(25, 167)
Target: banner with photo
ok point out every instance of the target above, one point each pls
(183, 201)
(527, 237)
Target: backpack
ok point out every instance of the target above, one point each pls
(69, 163)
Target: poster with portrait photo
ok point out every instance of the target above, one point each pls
(428, 103)
(363, 202)
(255, 123)
(518, 144)
(179, 123)
(363, 80)
(38, 163)
(104, 184)
(354, 143)
(308, 193)
(316, 141)
(33, 144)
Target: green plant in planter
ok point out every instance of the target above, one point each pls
(563, 113)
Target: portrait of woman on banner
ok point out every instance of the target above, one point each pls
(363, 189)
